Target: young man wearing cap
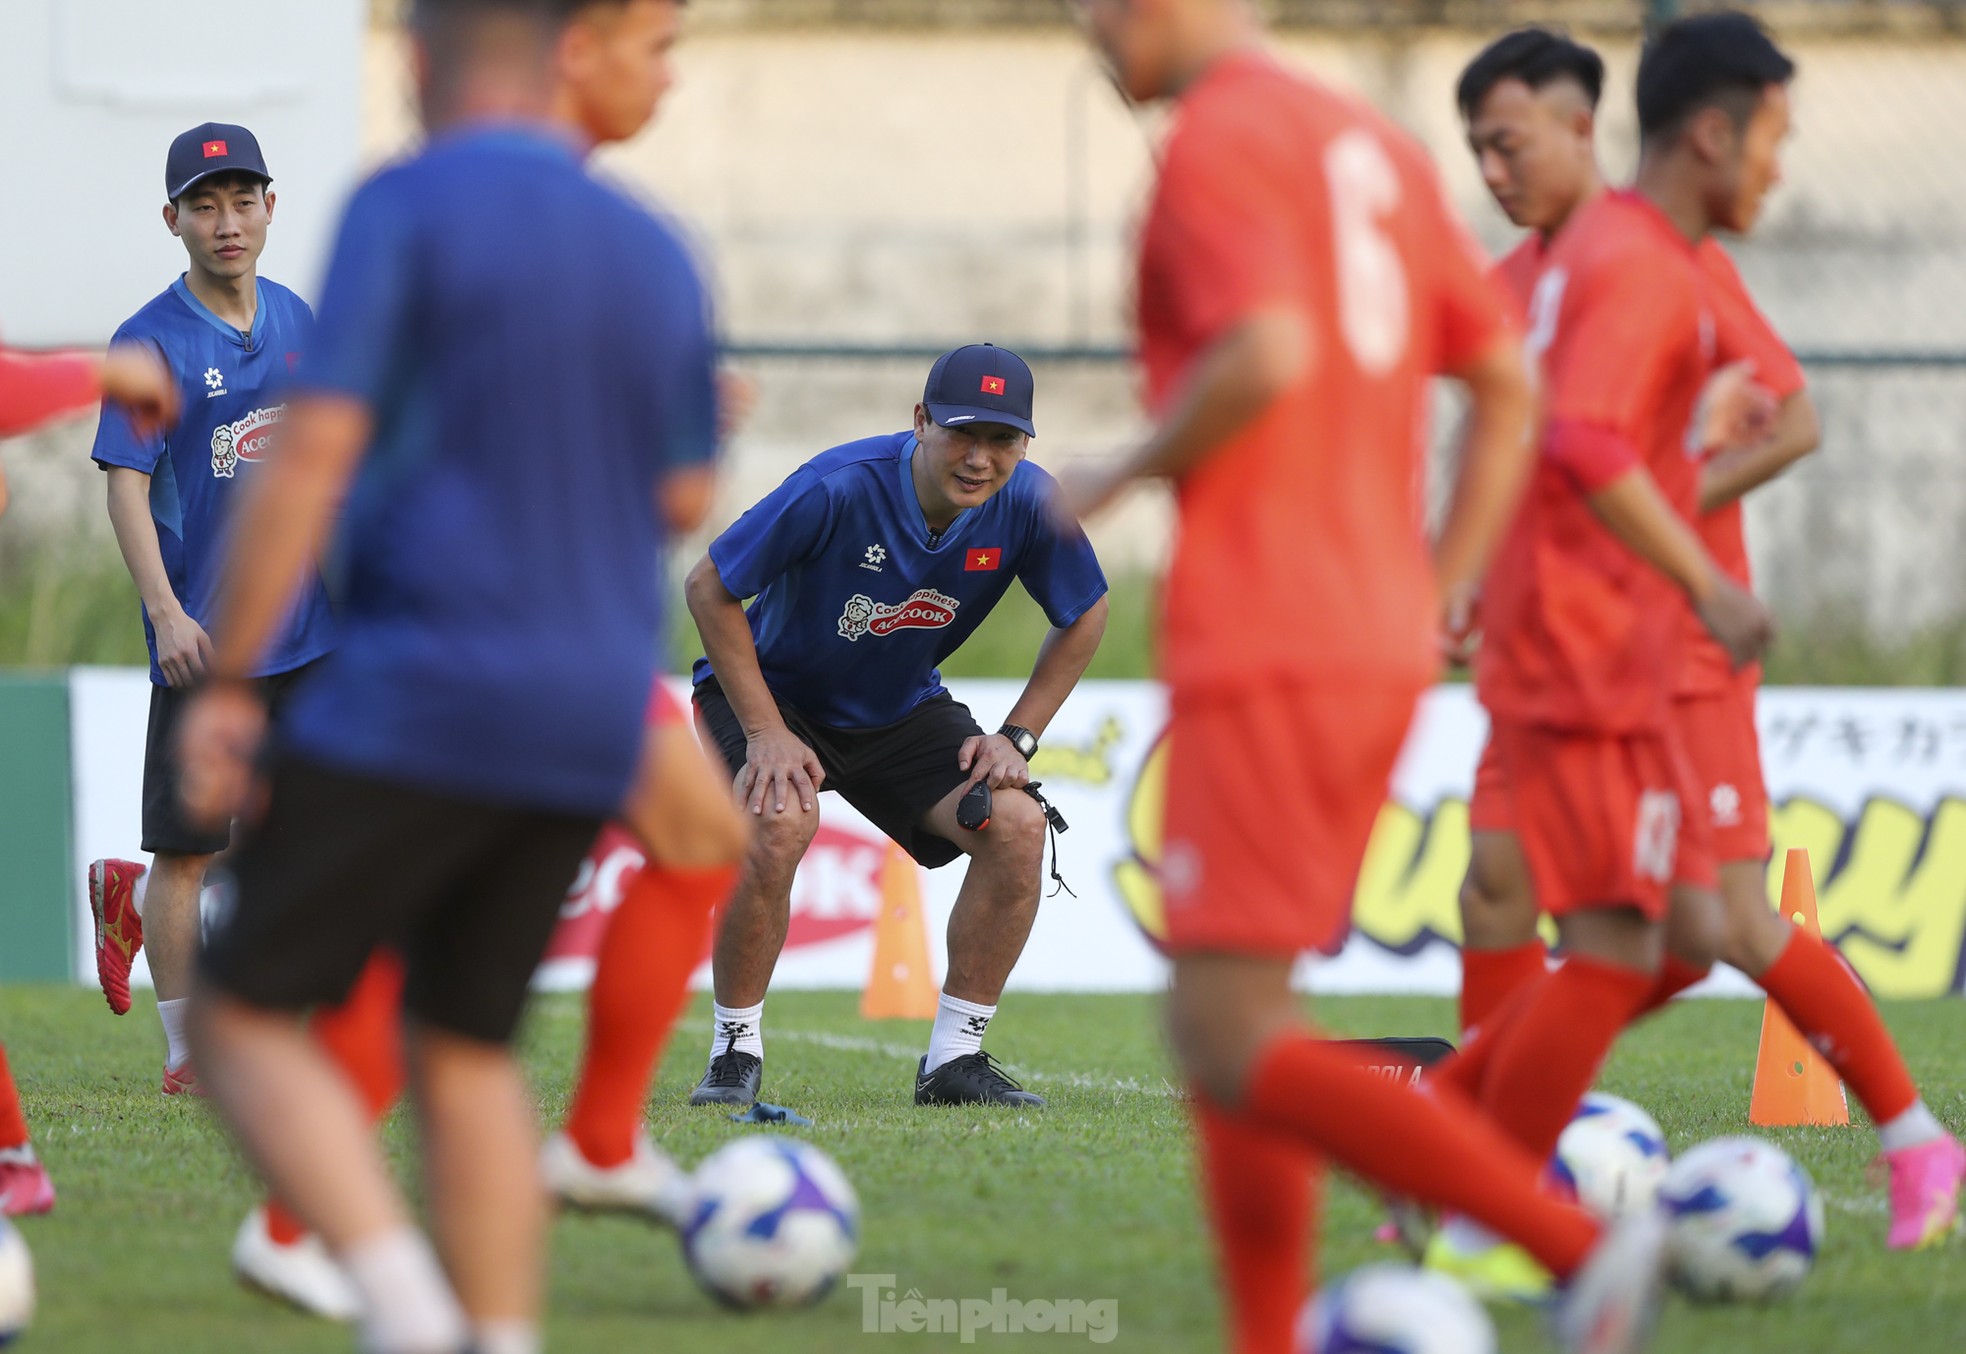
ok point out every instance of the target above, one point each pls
(231, 338)
(870, 565)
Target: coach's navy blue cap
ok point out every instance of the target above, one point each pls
(980, 383)
(211, 148)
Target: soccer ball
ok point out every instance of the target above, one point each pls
(16, 1283)
(1746, 1221)
(1611, 1157)
(1393, 1309)
(774, 1223)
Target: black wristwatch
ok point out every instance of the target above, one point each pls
(1022, 739)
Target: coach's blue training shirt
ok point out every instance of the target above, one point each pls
(536, 352)
(855, 609)
(233, 387)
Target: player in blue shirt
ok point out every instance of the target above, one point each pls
(513, 368)
(232, 339)
(870, 565)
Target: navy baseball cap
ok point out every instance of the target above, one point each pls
(211, 148)
(980, 383)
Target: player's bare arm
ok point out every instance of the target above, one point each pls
(683, 499)
(1062, 659)
(776, 761)
(183, 647)
(1496, 458)
(281, 531)
(1639, 515)
(1732, 473)
(1241, 375)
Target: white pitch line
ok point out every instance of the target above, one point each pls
(848, 1043)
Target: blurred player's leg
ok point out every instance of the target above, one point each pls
(694, 836)
(1258, 1189)
(273, 1249)
(1501, 950)
(24, 1184)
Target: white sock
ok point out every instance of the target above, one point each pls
(506, 1337)
(745, 1023)
(171, 1013)
(1914, 1128)
(17, 1156)
(407, 1304)
(959, 1027)
(139, 891)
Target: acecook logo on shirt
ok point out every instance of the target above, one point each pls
(926, 610)
(244, 440)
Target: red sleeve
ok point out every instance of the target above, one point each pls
(1472, 307)
(1224, 222)
(1741, 331)
(35, 389)
(1619, 320)
(1591, 457)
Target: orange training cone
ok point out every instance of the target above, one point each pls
(900, 985)
(1792, 1083)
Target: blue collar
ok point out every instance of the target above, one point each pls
(250, 342)
(914, 499)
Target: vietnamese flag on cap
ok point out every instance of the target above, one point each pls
(993, 385)
(983, 561)
(214, 149)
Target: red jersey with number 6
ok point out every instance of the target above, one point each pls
(1302, 547)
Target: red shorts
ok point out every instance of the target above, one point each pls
(1724, 747)
(1488, 806)
(1602, 818)
(663, 708)
(1272, 793)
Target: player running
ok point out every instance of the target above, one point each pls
(1529, 102)
(35, 389)
(870, 565)
(232, 338)
(518, 360)
(1300, 279)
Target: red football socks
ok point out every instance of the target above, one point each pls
(13, 1123)
(1831, 1008)
(1430, 1146)
(364, 1037)
(1675, 976)
(654, 942)
(1550, 1053)
(1490, 977)
(1260, 1193)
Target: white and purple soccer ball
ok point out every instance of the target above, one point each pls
(1394, 1309)
(1611, 1157)
(1746, 1221)
(16, 1282)
(774, 1223)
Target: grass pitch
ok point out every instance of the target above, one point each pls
(1091, 1199)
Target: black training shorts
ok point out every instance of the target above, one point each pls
(467, 893)
(164, 825)
(893, 774)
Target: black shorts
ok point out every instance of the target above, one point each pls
(893, 774)
(342, 865)
(164, 828)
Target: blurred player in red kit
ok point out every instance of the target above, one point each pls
(36, 389)
(1301, 278)
(1529, 102)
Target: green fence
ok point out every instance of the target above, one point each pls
(36, 829)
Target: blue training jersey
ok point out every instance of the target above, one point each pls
(234, 387)
(536, 353)
(856, 608)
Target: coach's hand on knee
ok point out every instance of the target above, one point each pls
(778, 765)
(994, 758)
(217, 743)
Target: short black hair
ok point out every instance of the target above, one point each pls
(1721, 60)
(1535, 56)
(224, 176)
